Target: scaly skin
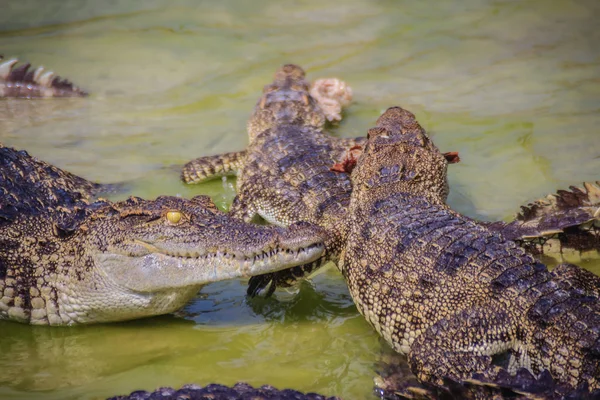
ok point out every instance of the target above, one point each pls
(239, 391)
(565, 225)
(64, 260)
(398, 382)
(21, 82)
(22, 173)
(285, 173)
(446, 290)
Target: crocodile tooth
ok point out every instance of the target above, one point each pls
(6, 67)
(46, 79)
(37, 73)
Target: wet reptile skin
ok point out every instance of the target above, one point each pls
(66, 260)
(285, 173)
(239, 391)
(561, 225)
(447, 291)
(21, 82)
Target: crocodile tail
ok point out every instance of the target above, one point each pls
(563, 210)
(23, 82)
(587, 197)
(561, 223)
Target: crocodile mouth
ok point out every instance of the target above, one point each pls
(287, 253)
(274, 258)
(151, 269)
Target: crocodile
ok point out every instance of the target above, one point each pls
(565, 224)
(290, 172)
(239, 391)
(543, 388)
(396, 381)
(23, 82)
(42, 181)
(285, 173)
(454, 295)
(66, 259)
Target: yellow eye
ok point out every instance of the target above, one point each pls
(174, 217)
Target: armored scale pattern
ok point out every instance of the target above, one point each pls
(285, 173)
(20, 81)
(293, 171)
(562, 225)
(66, 260)
(239, 391)
(453, 295)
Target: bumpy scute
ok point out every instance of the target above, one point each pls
(22, 82)
(453, 295)
(565, 225)
(285, 174)
(239, 391)
(65, 259)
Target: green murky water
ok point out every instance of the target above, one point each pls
(513, 86)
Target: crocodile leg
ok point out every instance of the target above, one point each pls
(265, 285)
(578, 278)
(206, 168)
(454, 347)
(242, 210)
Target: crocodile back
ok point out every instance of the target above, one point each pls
(31, 185)
(39, 205)
(447, 290)
(289, 169)
(411, 264)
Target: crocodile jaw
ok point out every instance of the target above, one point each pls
(124, 287)
(155, 272)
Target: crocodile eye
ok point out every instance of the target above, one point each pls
(174, 217)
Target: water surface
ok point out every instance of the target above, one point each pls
(513, 86)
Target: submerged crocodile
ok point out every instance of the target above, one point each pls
(455, 296)
(23, 82)
(286, 175)
(67, 260)
(239, 391)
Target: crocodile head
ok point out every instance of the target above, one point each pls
(137, 258)
(170, 242)
(400, 157)
(286, 101)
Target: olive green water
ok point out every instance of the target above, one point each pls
(513, 86)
